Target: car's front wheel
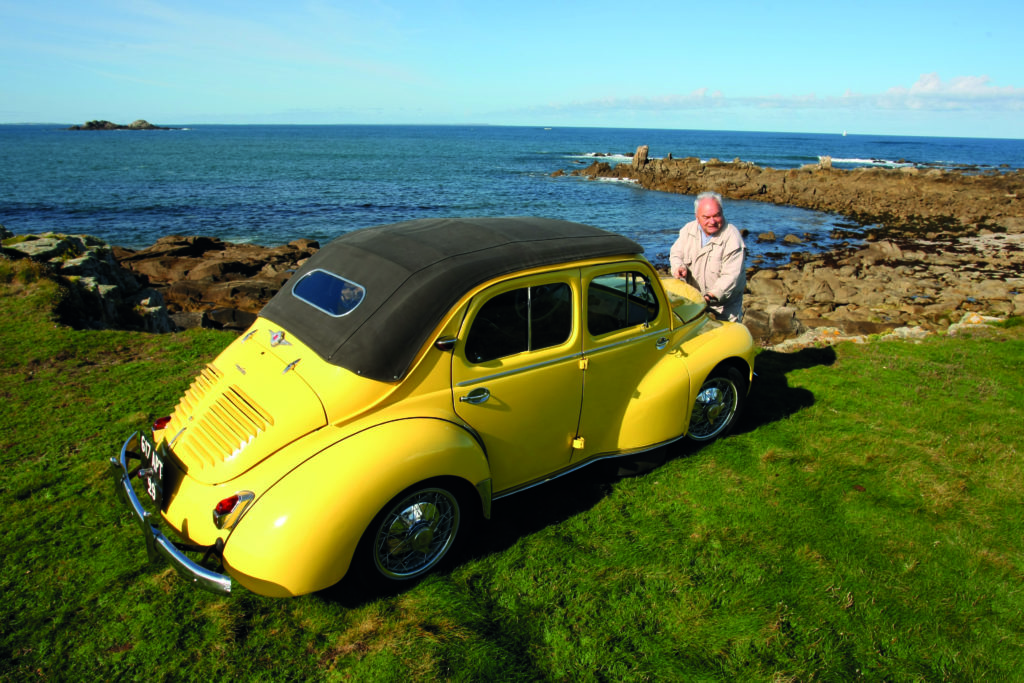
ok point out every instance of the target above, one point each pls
(718, 405)
(414, 532)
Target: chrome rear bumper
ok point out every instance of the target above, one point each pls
(157, 544)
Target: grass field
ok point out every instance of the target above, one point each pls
(865, 522)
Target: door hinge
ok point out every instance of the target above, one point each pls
(578, 443)
(584, 362)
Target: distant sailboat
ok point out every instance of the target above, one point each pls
(844, 133)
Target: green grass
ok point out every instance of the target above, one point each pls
(864, 522)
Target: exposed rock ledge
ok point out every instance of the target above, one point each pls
(99, 293)
(919, 200)
(210, 283)
(179, 282)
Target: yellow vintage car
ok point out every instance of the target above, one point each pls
(407, 376)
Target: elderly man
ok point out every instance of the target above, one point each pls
(709, 255)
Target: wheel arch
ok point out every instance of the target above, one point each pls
(732, 371)
(301, 534)
(745, 369)
(363, 563)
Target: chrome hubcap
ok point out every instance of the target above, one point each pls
(715, 406)
(416, 534)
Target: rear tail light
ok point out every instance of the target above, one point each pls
(227, 505)
(228, 511)
(161, 423)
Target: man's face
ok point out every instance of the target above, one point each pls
(709, 216)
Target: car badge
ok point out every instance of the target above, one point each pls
(277, 339)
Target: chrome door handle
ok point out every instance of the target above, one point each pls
(476, 396)
(661, 343)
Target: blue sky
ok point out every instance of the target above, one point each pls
(900, 68)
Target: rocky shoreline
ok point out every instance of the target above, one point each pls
(941, 246)
(938, 245)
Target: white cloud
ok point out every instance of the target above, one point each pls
(929, 92)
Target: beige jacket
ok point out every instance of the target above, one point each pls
(716, 269)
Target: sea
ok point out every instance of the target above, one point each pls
(271, 184)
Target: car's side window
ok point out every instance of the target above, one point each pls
(616, 301)
(524, 319)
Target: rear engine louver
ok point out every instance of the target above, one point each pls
(220, 421)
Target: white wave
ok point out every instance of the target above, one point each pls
(630, 181)
(602, 156)
(869, 162)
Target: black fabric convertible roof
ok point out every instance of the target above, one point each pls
(414, 272)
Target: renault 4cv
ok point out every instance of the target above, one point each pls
(406, 377)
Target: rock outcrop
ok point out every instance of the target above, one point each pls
(98, 292)
(210, 283)
(931, 200)
(177, 283)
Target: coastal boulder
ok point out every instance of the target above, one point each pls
(640, 157)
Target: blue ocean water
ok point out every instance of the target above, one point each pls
(274, 184)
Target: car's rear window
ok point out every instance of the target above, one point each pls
(330, 293)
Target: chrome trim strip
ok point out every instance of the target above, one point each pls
(156, 543)
(580, 465)
(175, 437)
(515, 371)
(560, 359)
(631, 340)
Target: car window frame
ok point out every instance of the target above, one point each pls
(479, 300)
(639, 267)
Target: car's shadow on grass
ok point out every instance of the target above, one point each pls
(512, 518)
(771, 399)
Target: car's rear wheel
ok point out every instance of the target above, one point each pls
(718, 405)
(414, 532)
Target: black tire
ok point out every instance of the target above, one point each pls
(718, 406)
(414, 532)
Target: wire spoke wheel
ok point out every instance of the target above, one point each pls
(415, 533)
(718, 404)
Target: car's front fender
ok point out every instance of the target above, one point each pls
(728, 342)
(300, 536)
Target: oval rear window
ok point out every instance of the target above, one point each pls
(329, 293)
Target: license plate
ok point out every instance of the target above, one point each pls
(152, 471)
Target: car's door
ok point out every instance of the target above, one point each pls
(516, 376)
(627, 397)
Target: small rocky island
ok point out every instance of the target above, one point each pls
(140, 124)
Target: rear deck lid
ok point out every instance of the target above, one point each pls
(242, 408)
